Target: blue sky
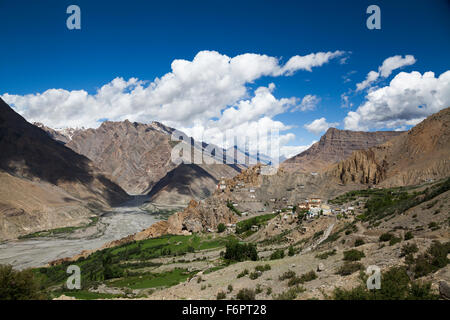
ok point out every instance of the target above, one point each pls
(140, 39)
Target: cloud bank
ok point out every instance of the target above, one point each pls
(407, 100)
(208, 94)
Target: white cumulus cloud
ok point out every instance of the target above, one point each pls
(385, 70)
(407, 100)
(190, 96)
(320, 125)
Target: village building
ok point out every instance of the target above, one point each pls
(314, 202)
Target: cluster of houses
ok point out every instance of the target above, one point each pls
(314, 207)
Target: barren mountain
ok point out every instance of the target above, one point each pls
(190, 181)
(138, 157)
(421, 154)
(135, 155)
(45, 185)
(335, 145)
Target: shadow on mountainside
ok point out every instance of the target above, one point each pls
(27, 151)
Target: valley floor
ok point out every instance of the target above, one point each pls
(36, 252)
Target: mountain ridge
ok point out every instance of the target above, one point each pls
(58, 186)
(333, 146)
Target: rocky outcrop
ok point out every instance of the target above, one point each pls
(421, 154)
(362, 167)
(336, 145)
(197, 217)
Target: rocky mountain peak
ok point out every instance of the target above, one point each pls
(336, 145)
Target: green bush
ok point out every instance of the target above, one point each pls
(258, 289)
(326, 254)
(302, 279)
(432, 260)
(409, 249)
(19, 285)
(291, 251)
(353, 255)
(386, 237)
(349, 268)
(254, 275)
(408, 235)
(278, 254)
(243, 273)
(263, 268)
(291, 294)
(246, 294)
(394, 240)
(221, 295)
(287, 275)
(359, 242)
(221, 228)
(230, 288)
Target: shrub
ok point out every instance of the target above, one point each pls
(326, 254)
(291, 251)
(278, 254)
(19, 285)
(221, 228)
(263, 268)
(386, 237)
(318, 234)
(221, 295)
(349, 268)
(394, 240)
(269, 291)
(302, 279)
(230, 288)
(243, 273)
(291, 294)
(433, 226)
(359, 242)
(258, 289)
(353, 255)
(287, 275)
(409, 249)
(432, 260)
(254, 275)
(246, 294)
(408, 235)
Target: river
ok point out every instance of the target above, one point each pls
(113, 225)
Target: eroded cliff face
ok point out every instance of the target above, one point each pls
(421, 154)
(362, 167)
(336, 145)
